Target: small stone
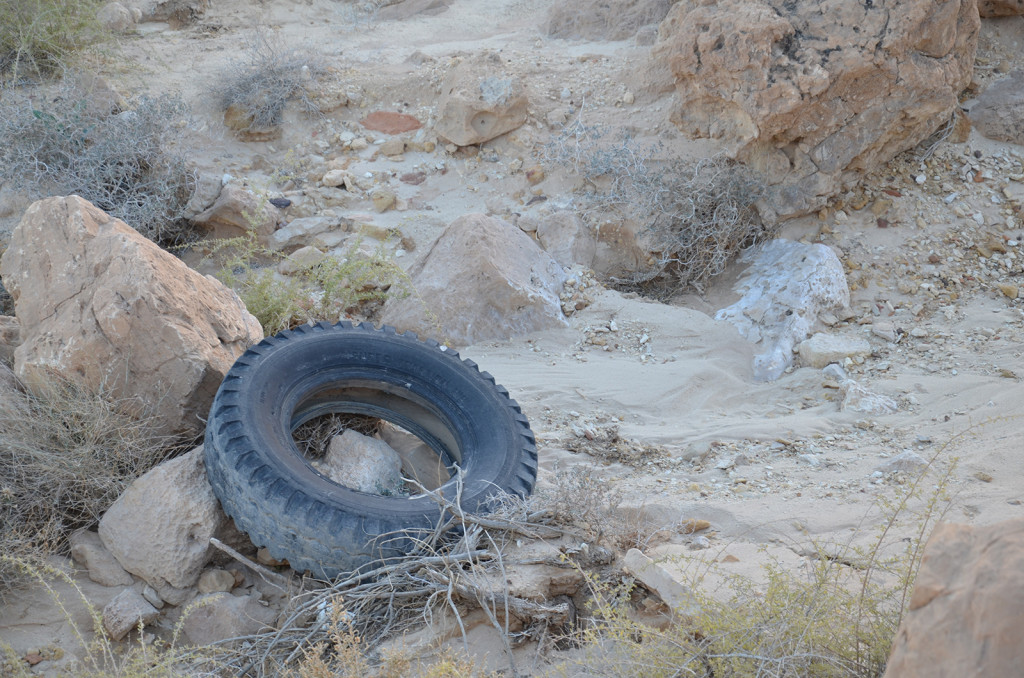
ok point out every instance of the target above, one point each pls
(359, 144)
(693, 525)
(1009, 290)
(263, 557)
(822, 349)
(212, 581)
(920, 178)
(700, 543)
(535, 175)
(393, 146)
(413, 178)
(383, 199)
(150, 594)
(918, 333)
(730, 558)
(280, 203)
(125, 612)
(983, 477)
(906, 462)
(881, 206)
(33, 658)
(628, 98)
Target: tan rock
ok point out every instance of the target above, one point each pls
(964, 614)
(994, 8)
(238, 210)
(302, 259)
(88, 551)
(383, 199)
(103, 306)
(393, 146)
(219, 616)
(1009, 290)
(115, 17)
(567, 238)
(657, 579)
(159, 529)
(816, 93)
(212, 581)
(127, 611)
(482, 279)
(479, 101)
(999, 112)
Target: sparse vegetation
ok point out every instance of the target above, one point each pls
(101, 657)
(39, 36)
(127, 162)
(837, 617)
(695, 216)
(357, 283)
(65, 455)
(269, 76)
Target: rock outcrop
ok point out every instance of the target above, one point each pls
(999, 111)
(479, 101)
(994, 8)
(965, 612)
(816, 93)
(103, 306)
(159, 529)
(483, 279)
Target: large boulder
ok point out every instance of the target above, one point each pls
(103, 306)
(994, 8)
(479, 101)
(567, 238)
(999, 111)
(816, 93)
(159, 529)
(964, 616)
(483, 279)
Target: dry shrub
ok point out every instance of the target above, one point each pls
(267, 78)
(39, 36)
(65, 455)
(695, 216)
(68, 140)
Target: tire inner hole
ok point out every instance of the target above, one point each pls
(370, 454)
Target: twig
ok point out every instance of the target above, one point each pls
(271, 578)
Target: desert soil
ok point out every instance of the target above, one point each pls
(772, 466)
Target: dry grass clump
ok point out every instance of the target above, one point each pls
(39, 36)
(65, 455)
(269, 76)
(694, 216)
(129, 163)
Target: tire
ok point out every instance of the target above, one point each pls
(273, 493)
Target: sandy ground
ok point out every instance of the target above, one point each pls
(772, 466)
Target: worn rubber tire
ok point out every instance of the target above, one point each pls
(270, 490)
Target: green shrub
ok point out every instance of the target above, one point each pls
(126, 162)
(38, 36)
(356, 284)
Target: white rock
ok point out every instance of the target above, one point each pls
(212, 581)
(302, 259)
(822, 349)
(907, 462)
(787, 287)
(657, 579)
(362, 463)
